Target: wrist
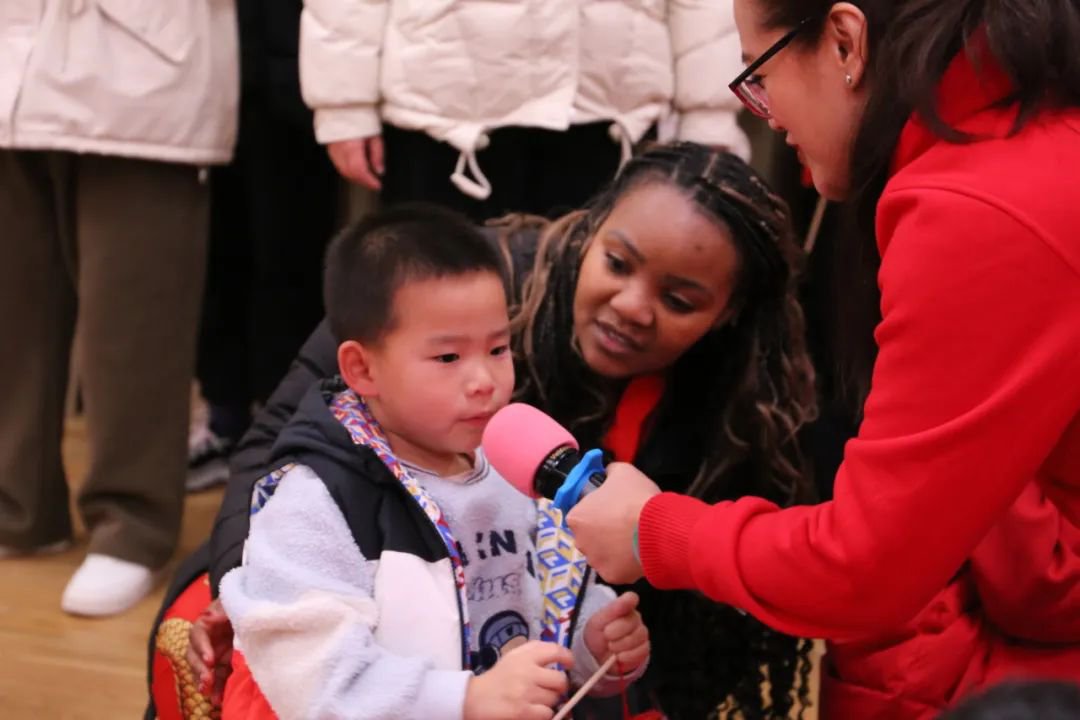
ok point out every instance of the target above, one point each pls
(473, 698)
(665, 526)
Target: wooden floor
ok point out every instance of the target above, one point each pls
(55, 666)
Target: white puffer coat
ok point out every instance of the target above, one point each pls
(152, 79)
(457, 68)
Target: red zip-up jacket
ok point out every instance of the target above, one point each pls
(950, 556)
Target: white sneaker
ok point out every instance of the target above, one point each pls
(208, 458)
(7, 551)
(105, 585)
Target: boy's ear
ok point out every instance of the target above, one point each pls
(355, 365)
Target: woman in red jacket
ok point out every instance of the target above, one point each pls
(950, 556)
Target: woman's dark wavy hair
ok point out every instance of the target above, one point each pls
(910, 44)
(750, 387)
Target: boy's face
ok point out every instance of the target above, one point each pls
(443, 369)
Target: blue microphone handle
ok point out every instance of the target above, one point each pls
(567, 496)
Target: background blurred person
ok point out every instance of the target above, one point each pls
(529, 107)
(272, 212)
(109, 113)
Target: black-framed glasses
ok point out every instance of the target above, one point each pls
(748, 88)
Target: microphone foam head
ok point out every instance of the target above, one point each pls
(516, 441)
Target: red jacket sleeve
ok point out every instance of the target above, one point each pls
(974, 385)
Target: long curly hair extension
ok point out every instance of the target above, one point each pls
(749, 386)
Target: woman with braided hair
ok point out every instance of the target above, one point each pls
(659, 323)
(728, 405)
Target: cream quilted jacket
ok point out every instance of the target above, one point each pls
(457, 68)
(153, 79)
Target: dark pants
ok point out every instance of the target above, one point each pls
(272, 213)
(542, 172)
(120, 245)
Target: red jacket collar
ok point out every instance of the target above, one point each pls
(967, 89)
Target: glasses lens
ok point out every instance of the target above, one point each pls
(754, 97)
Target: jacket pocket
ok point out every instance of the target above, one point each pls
(163, 27)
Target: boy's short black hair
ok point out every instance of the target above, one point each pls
(1021, 700)
(368, 261)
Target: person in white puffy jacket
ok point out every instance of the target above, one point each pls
(110, 110)
(522, 105)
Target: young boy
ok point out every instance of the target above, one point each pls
(389, 571)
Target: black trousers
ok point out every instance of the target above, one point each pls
(532, 170)
(272, 212)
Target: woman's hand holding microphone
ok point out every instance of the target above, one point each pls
(605, 521)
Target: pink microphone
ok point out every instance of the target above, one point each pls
(540, 457)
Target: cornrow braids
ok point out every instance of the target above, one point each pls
(751, 385)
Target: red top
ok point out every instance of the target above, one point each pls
(637, 403)
(949, 556)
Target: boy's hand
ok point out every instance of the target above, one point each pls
(520, 685)
(209, 652)
(617, 629)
